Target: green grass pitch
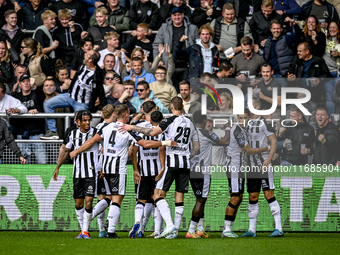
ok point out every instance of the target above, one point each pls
(50, 243)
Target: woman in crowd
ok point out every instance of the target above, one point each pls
(332, 59)
(7, 57)
(62, 80)
(314, 36)
(39, 66)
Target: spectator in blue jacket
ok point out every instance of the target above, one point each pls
(287, 7)
(145, 94)
(32, 14)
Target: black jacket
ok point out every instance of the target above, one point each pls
(115, 102)
(144, 13)
(302, 133)
(7, 137)
(32, 18)
(97, 89)
(16, 41)
(78, 11)
(200, 17)
(260, 25)
(327, 153)
(193, 55)
(296, 67)
(6, 68)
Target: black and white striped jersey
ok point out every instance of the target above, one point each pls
(238, 140)
(181, 130)
(82, 89)
(100, 126)
(148, 158)
(86, 163)
(207, 140)
(258, 131)
(116, 148)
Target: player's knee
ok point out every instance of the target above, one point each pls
(236, 200)
(201, 201)
(253, 197)
(269, 194)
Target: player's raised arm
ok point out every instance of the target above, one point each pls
(146, 131)
(87, 145)
(156, 144)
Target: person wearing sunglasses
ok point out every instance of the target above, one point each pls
(145, 94)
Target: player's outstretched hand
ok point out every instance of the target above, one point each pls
(125, 127)
(55, 174)
(173, 144)
(73, 154)
(136, 177)
(22, 160)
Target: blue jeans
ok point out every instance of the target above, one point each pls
(39, 149)
(61, 101)
(329, 88)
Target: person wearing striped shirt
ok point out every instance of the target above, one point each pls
(104, 200)
(181, 129)
(237, 150)
(115, 154)
(260, 134)
(84, 169)
(149, 166)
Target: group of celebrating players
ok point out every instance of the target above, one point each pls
(164, 151)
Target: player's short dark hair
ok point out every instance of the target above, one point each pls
(184, 82)
(266, 64)
(225, 65)
(198, 118)
(246, 40)
(129, 82)
(144, 84)
(177, 102)
(82, 113)
(86, 39)
(161, 68)
(137, 59)
(121, 110)
(148, 106)
(108, 110)
(321, 108)
(275, 21)
(228, 6)
(9, 12)
(95, 57)
(307, 46)
(156, 116)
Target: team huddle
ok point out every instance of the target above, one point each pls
(163, 151)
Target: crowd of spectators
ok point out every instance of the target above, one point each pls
(68, 55)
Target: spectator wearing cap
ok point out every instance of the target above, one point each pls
(170, 33)
(29, 128)
(165, 11)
